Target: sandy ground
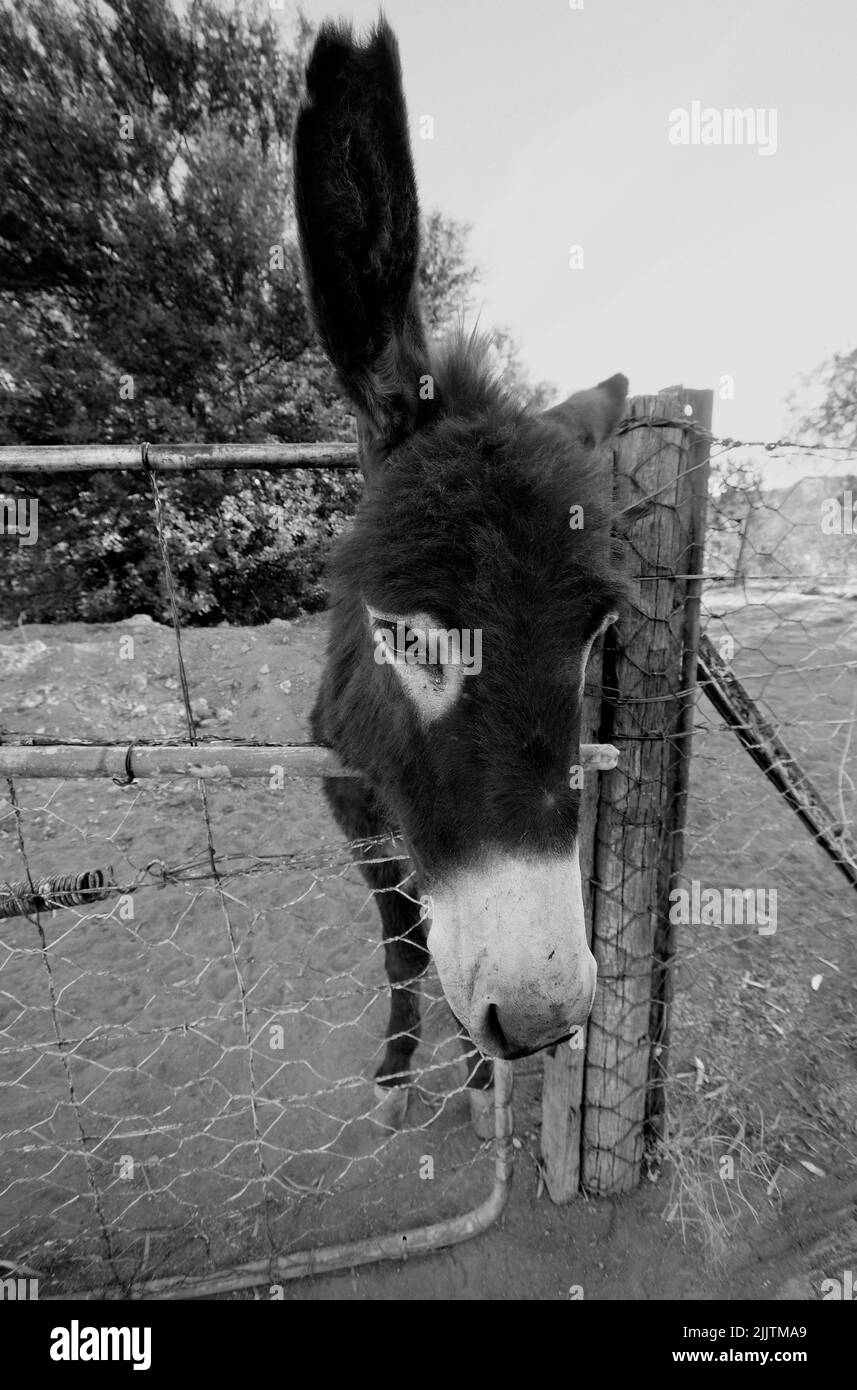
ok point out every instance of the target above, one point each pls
(212, 1101)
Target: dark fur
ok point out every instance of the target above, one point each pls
(465, 516)
(358, 219)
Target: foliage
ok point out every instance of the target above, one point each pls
(825, 406)
(735, 496)
(149, 290)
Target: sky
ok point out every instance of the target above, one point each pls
(701, 262)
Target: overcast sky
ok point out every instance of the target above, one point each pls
(551, 129)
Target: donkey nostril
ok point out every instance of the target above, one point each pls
(493, 1032)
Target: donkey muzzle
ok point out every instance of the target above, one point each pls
(509, 941)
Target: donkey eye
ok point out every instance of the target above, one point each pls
(430, 661)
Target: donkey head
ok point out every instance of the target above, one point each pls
(474, 581)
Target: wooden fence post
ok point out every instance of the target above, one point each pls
(648, 680)
(696, 407)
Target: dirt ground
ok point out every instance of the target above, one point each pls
(212, 1102)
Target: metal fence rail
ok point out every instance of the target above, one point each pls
(171, 458)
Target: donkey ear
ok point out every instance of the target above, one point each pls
(358, 223)
(593, 415)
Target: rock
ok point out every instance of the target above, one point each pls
(140, 620)
(265, 670)
(285, 686)
(201, 709)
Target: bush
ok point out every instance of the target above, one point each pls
(243, 548)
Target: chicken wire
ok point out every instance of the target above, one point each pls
(763, 1027)
(186, 1067)
(187, 1063)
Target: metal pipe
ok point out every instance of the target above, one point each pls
(172, 458)
(422, 1240)
(216, 760)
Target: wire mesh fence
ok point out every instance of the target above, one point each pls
(722, 1045)
(188, 1043)
(187, 1063)
(764, 1018)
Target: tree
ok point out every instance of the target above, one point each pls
(144, 163)
(832, 417)
(734, 502)
(149, 289)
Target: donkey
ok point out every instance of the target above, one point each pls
(463, 529)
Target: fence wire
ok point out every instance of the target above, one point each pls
(765, 1013)
(186, 1065)
(748, 998)
(186, 1068)
(186, 1061)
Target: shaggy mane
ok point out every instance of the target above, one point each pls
(466, 380)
